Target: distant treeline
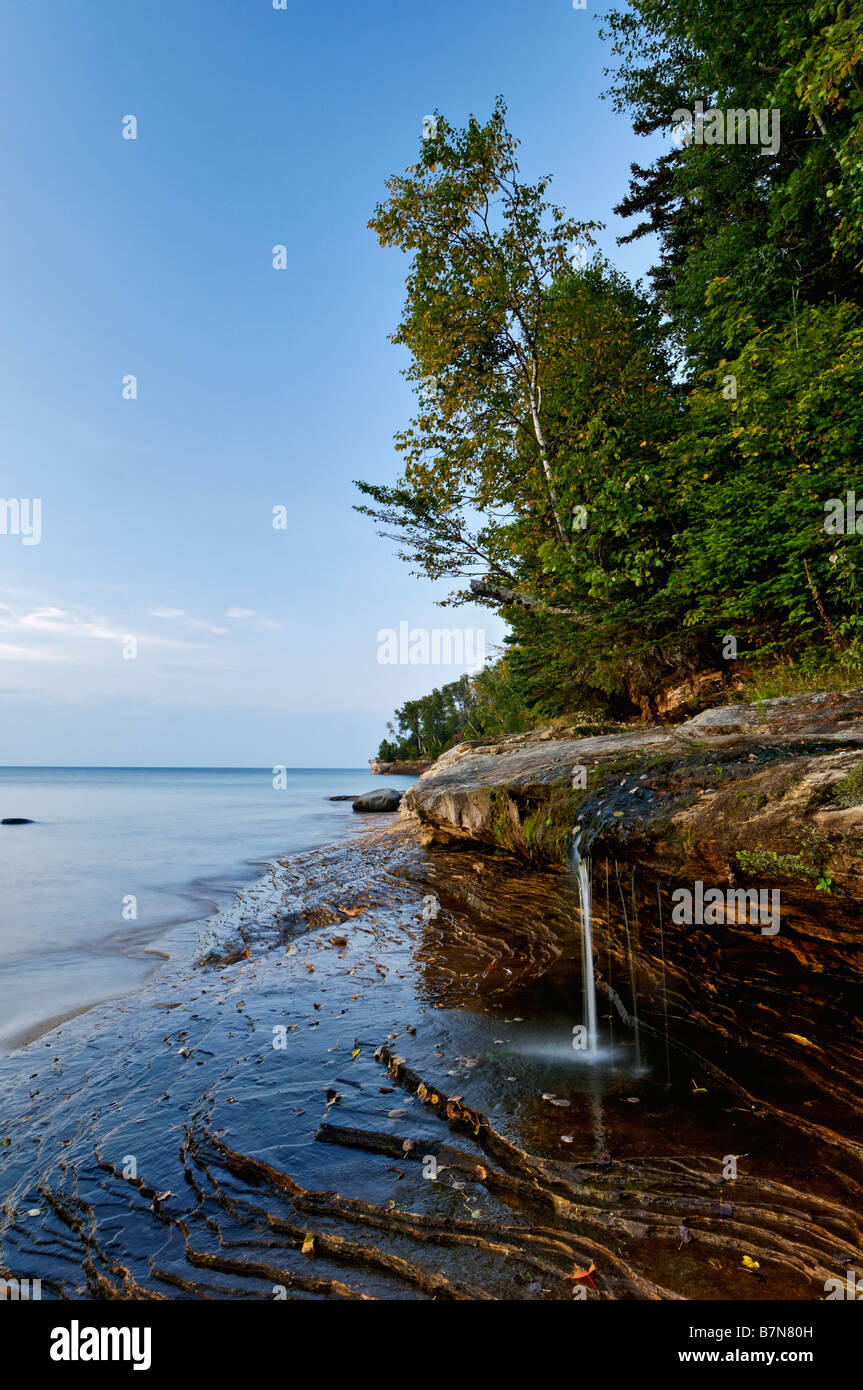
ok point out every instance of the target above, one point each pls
(645, 482)
(479, 706)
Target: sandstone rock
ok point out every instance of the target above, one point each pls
(407, 767)
(750, 778)
(762, 799)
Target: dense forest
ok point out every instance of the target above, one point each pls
(647, 483)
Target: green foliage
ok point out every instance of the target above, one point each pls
(786, 224)
(484, 705)
(812, 861)
(629, 478)
(754, 558)
(849, 792)
(538, 829)
(771, 682)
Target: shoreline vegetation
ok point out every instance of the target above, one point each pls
(657, 487)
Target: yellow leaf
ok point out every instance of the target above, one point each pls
(309, 1244)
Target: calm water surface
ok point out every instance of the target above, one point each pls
(178, 841)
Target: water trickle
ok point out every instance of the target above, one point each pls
(664, 989)
(608, 935)
(632, 984)
(581, 868)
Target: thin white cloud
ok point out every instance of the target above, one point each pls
(180, 615)
(10, 652)
(73, 634)
(247, 614)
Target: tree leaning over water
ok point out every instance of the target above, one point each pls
(630, 478)
(530, 469)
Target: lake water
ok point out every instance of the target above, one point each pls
(178, 841)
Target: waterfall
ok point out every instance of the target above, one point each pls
(581, 868)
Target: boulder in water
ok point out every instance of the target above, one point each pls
(387, 799)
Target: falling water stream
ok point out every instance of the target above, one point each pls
(629, 952)
(664, 990)
(581, 868)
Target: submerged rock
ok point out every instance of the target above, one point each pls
(387, 799)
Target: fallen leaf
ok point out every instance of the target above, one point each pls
(578, 1274)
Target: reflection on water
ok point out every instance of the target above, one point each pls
(582, 870)
(427, 1119)
(117, 855)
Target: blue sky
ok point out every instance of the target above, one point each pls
(256, 388)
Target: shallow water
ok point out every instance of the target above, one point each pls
(186, 1141)
(178, 841)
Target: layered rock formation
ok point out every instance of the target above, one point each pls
(736, 788)
(744, 803)
(407, 767)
